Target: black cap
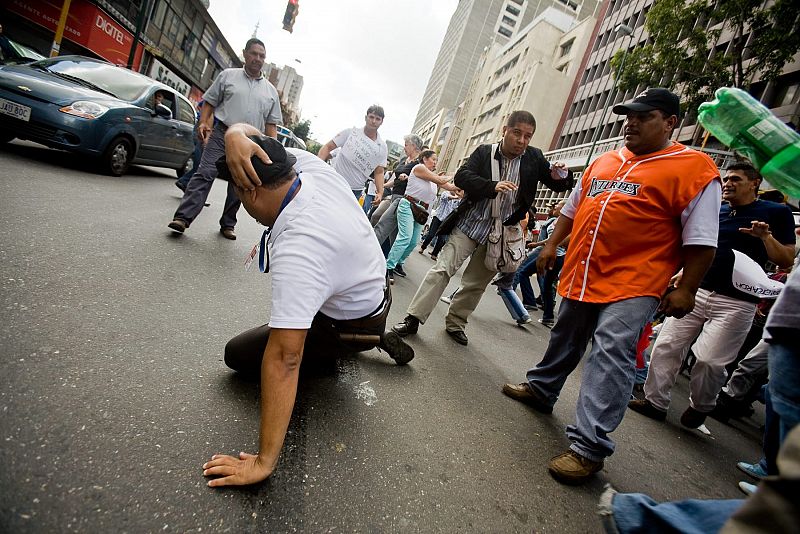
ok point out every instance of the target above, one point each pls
(650, 99)
(282, 161)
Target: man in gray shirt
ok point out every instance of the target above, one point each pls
(236, 95)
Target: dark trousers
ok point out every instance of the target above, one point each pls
(326, 337)
(199, 186)
(431, 234)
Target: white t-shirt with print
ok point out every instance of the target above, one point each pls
(323, 253)
(359, 156)
(422, 190)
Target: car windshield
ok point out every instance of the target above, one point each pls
(119, 82)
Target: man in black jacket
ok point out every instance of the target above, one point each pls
(521, 168)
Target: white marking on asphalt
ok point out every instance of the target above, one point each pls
(366, 393)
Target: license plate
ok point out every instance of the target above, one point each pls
(15, 110)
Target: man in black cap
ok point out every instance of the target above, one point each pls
(636, 215)
(323, 303)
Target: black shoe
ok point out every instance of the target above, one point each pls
(398, 270)
(409, 326)
(648, 410)
(397, 349)
(228, 233)
(458, 336)
(390, 275)
(180, 186)
(524, 393)
(692, 418)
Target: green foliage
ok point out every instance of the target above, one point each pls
(313, 146)
(682, 55)
(302, 129)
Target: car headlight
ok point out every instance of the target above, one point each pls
(87, 110)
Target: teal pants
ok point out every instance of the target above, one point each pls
(407, 235)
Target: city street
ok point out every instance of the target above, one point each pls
(114, 392)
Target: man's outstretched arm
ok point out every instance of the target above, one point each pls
(279, 371)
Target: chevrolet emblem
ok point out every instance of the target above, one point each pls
(28, 89)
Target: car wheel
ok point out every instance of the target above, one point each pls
(117, 157)
(186, 167)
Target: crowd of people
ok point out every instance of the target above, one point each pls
(687, 287)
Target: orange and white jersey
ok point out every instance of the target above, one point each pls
(627, 233)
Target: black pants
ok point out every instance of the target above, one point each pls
(431, 235)
(326, 336)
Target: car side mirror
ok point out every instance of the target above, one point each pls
(163, 111)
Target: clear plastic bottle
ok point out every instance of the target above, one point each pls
(745, 125)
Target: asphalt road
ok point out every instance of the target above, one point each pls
(113, 390)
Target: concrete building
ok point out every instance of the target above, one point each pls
(533, 71)
(588, 118)
(474, 25)
(289, 85)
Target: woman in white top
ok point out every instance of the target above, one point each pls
(421, 192)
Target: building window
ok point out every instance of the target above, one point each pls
(508, 20)
(504, 31)
(566, 47)
(513, 10)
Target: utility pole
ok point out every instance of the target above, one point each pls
(137, 32)
(62, 23)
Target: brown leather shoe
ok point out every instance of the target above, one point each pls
(644, 407)
(178, 226)
(524, 393)
(228, 233)
(572, 468)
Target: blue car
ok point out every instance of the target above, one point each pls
(91, 107)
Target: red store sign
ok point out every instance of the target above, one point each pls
(87, 25)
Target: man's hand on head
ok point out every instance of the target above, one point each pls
(232, 471)
(238, 151)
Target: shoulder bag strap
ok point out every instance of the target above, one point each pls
(495, 163)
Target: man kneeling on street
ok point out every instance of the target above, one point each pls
(322, 301)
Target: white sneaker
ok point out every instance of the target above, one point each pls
(523, 321)
(747, 488)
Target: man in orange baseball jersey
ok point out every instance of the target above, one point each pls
(636, 216)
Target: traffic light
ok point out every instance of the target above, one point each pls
(291, 13)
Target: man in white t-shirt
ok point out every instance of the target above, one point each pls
(363, 154)
(322, 301)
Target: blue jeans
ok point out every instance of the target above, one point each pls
(638, 513)
(513, 304)
(368, 202)
(408, 231)
(783, 396)
(608, 375)
(549, 289)
(523, 275)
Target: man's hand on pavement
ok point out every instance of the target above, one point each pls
(238, 151)
(505, 185)
(677, 303)
(246, 469)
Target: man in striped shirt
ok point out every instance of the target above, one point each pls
(521, 168)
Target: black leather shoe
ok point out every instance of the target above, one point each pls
(524, 393)
(644, 407)
(228, 233)
(409, 326)
(397, 349)
(399, 271)
(458, 336)
(692, 418)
